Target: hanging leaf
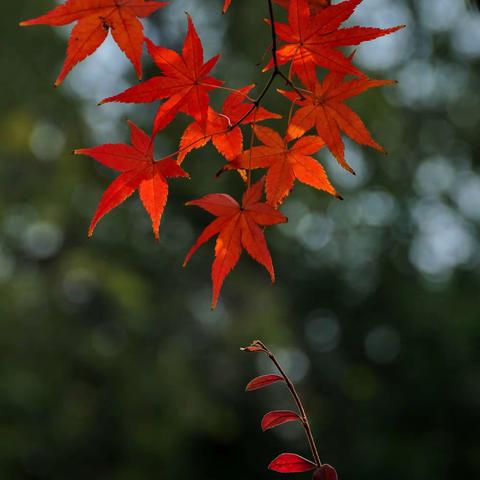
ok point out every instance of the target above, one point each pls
(138, 171)
(239, 227)
(323, 108)
(285, 163)
(95, 19)
(185, 82)
(313, 40)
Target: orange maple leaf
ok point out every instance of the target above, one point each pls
(185, 82)
(95, 19)
(285, 164)
(139, 171)
(312, 39)
(323, 108)
(227, 140)
(238, 228)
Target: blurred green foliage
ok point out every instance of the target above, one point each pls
(112, 365)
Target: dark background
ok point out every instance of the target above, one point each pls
(112, 365)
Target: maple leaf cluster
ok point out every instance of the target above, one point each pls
(320, 78)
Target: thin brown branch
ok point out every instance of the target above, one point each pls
(275, 73)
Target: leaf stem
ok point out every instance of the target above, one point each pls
(260, 346)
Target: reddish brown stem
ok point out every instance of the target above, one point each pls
(257, 345)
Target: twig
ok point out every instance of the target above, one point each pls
(258, 346)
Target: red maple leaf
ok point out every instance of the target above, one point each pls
(315, 5)
(323, 108)
(138, 171)
(95, 19)
(286, 163)
(227, 140)
(312, 39)
(238, 228)
(185, 82)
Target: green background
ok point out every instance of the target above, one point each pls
(112, 365)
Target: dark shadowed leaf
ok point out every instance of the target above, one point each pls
(325, 472)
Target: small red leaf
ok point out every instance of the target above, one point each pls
(325, 472)
(278, 417)
(291, 463)
(263, 381)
